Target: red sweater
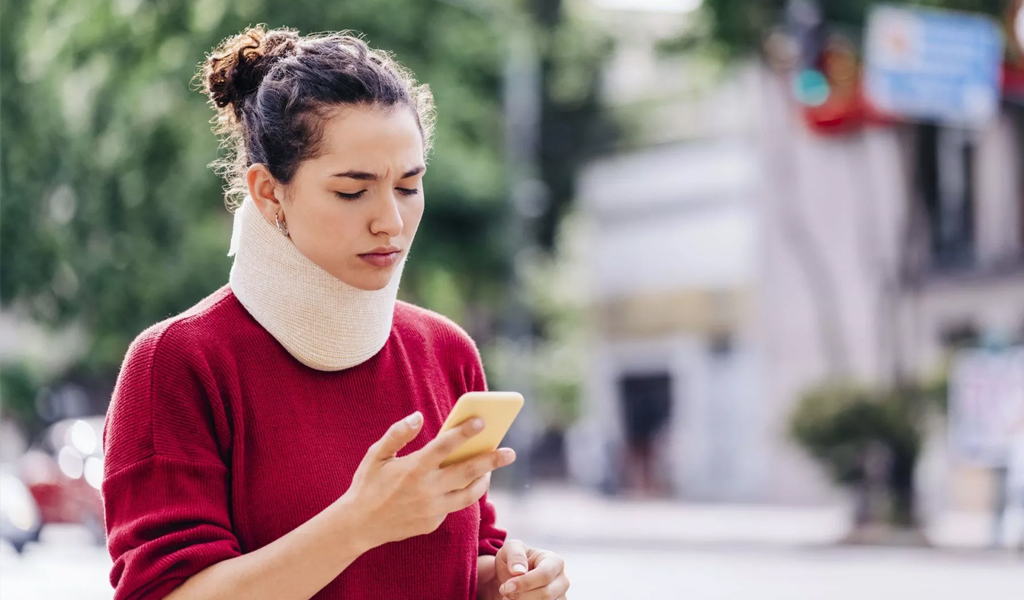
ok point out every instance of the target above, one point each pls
(219, 442)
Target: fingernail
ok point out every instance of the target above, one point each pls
(510, 587)
(477, 424)
(508, 455)
(414, 420)
(518, 569)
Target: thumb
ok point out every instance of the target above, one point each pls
(514, 555)
(396, 437)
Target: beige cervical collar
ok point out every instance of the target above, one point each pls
(324, 323)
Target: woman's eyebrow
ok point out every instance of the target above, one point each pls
(366, 176)
(360, 175)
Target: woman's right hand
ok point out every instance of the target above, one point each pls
(402, 497)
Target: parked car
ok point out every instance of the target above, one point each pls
(19, 515)
(63, 470)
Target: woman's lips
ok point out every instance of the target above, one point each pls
(382, 260)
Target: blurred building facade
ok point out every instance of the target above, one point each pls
(737, 258)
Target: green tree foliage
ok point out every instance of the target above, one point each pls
(111, 218)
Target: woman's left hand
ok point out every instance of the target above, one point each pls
(525, 573)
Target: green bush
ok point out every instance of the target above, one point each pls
(19, 385)
(862, 436)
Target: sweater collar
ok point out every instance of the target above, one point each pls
(323, 322)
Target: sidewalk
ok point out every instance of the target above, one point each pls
(572, 516)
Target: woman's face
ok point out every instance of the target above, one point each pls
(354, 209)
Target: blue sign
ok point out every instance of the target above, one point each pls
(934, 65)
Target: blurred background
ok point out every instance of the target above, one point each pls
(758, 267)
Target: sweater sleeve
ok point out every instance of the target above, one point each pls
(166, 487)
(492, 538)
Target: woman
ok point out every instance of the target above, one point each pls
(277, 440)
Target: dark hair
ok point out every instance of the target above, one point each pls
(273, 89)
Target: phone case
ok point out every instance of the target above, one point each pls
(498, 410)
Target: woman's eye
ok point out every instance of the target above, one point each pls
(408, 191)
(354, 196)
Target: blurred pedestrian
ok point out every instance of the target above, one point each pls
(1015, 485)
(277, 440)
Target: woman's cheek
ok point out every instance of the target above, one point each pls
(415, 216)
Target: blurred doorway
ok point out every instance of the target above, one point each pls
(646, 406)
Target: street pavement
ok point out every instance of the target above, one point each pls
(66, 567)
(791, 574)
(567, 514)
(650, 549)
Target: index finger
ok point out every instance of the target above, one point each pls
(444, 444)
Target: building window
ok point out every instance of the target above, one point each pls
(1016, 112)
(720, 346)
(945, 167)
(960, 336)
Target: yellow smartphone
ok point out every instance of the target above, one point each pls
(497, 409)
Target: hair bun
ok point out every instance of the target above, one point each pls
(234, 70)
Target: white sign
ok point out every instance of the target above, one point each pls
(934, 65)
(986, 404)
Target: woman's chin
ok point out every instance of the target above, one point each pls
(368, 282)
(373, 286)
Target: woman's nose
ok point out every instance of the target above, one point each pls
(387, 218)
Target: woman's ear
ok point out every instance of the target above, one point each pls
(265, 190)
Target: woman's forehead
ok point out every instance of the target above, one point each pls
(372, 136)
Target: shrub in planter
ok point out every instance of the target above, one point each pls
(868, 440)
